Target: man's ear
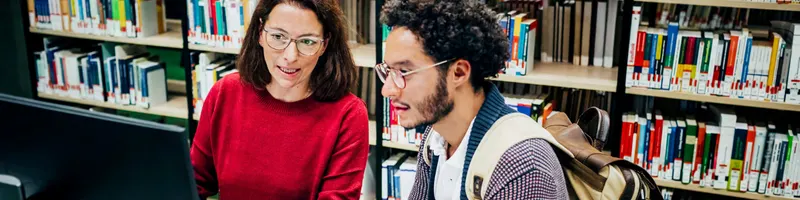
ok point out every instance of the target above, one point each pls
(461, 70)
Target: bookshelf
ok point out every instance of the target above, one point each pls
(708, 190)
(567, 75)
(363, 54)
(171, 39)
(731, 4)
(174, 107)
(395, 145)
(713, 99)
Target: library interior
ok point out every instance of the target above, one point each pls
(328, 99)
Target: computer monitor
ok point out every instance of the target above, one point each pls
(62, 152)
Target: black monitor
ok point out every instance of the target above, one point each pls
(62, 152)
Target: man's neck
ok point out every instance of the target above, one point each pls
(454, 126)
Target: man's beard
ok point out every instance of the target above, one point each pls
(436, 106)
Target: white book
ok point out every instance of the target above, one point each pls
(635, 18)
(386, 169)
(600, 33)
(148, 24)
(234, 27)
(727, 124)
(794, 71)
(153, 83)
(608, 55)
(84, 67)
(204, 59)
(72, 73)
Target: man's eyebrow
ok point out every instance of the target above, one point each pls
(400, 63)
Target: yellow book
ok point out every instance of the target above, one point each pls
(658, 47)
(776, 41)
(122, 17)
(65, 18)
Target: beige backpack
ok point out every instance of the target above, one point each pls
(590, 174)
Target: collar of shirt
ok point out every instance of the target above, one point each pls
(439, 147)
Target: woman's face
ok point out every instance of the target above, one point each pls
(292, 39)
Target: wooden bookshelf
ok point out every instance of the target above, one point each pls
(395, 145)
(567, 75)
(708, 190)
(174, 107)
(713, 99)
(731, 4)
(363, 54)
(171, 39)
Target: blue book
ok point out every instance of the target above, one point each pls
(653, 47)
(678, 153)
(642, 132)
(746, 64)
(669, 55)
(646, 141)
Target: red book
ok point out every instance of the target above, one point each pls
(655, 143)
(212, 10)
(748, 155)
(640, 37)
(732, 56)
(689, 51)
(698, 156)
(625, 141)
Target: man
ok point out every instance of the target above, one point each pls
(439, 55)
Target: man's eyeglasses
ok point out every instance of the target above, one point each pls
(279, 40)
(384, 71)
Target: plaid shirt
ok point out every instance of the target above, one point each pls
(527, 170)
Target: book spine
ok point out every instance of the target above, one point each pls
(635, 18)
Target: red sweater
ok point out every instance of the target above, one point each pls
(249, 145)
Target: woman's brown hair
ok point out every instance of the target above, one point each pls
(335, 72)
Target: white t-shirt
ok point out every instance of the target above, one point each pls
(447, 183)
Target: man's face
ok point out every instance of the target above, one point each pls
(425, 98)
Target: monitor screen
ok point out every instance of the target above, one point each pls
(62, 152)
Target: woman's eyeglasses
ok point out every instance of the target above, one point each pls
(279, 40)
(384, 71)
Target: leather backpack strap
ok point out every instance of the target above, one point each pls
(504, 133)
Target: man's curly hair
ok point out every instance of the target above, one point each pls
(462, 29)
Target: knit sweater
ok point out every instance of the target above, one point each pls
(527, 170)
(249, 145)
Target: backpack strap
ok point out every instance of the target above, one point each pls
(504, 133)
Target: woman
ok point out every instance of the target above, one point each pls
(285, 126)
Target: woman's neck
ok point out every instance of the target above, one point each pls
(292, 94)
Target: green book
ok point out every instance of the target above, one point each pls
(688, 149)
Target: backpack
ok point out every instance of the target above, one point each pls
(589, 173)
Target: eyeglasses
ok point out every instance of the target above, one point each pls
(279, 40)
(384, 71)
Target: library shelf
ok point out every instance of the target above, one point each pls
(170, 39)
(567, 75)
(731, 4)
(363, 54)
(174, 107)
(709, 190)
(713, 99)
(401, 146)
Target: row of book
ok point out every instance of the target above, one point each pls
(696, 17)
(219, 23)
(521, 32)
(120, 18)
(397, 174)
(755, 64)
(714, 147)
(207, 69)
(223, 23)
(567, 100)
(105, 72)
(580, 32)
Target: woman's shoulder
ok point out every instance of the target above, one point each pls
(229, 83)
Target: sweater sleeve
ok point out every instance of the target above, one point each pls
(345, 171)
(528, 170)
(201, 152)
